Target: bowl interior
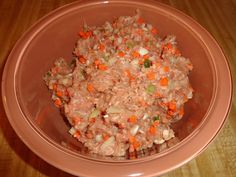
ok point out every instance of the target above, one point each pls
(57, 39)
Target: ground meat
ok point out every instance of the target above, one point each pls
(125, 86)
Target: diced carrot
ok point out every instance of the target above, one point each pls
(145, 57)
(76, 120)
(135, 54)
(81, 34)
(151, 75)
(131, 148)
(136, 145)
(90, 87)
(177, 52)
(121, 54)
(172, 105)
(101, 47)
(140, 20)
(82, 60)
(105, 137)
(129, 75)
(54, 87)
(92, 120)
(66, 93)
(77, 134)
(157, 64)
(141, 62)
(152, 130)
(132, 139)
(154, 31)
(132, 119)
(59, 93)
(143, 103)
(158, 94)
(146, 40)
(166, 68)
(139, 32)
(124, 40)
(88, 34)
(102, 67)
(164, 81)
(97, 62)
(181, 111)
(156, 123)
(58, 102)
(169, 46)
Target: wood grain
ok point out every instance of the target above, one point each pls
(217, 16)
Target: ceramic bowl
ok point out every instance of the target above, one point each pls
(40, 125)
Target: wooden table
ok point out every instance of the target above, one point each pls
(218, 17)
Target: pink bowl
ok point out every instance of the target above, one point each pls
(40, 125)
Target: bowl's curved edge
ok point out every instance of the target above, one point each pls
(8, 89)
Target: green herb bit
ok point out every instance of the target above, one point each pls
(156, 118)
(151, 88)
(147, 63)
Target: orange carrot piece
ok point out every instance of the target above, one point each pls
(154, 31)
(121, 54)
(82, 60)
(141, 62)
(77, 134)
(181, 111)
(135, 54)
(166, 68)
(164, 81)
(136, 144)
(172, 105)
(158, 94)
(132, 119)
(132, 139)
(97, 62)
(76, 120)
(59, 93)
(101, 47)
(105, 137)
(140, 21)
(169, 46)
(58, 102)
(102, 67)
(92, 120)
(54, 87)
(151, 75)
(145, 57)
(128, 74)
(152, 130)
(156, 123)
(90, 87)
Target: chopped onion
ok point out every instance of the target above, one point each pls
(134, 130)
(113, 110)
(119, 40)
(145, 116)
(72, 131)
(159, 141)
(108, 143)
(94, 113)
(98, 138)
(143, 51)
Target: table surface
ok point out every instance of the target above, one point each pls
(217, 16)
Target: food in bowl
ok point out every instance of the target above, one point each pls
(124, 88)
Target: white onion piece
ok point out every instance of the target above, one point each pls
(134, 130)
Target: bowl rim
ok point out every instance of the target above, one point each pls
(11, 104)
